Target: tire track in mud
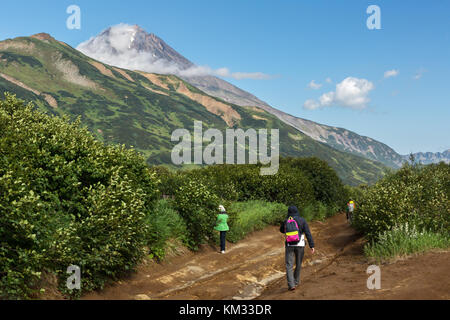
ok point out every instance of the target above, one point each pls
(214, 274)
(181, 275)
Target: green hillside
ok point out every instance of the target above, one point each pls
(142, 110)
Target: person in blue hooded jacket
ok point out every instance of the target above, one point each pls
(294, 252)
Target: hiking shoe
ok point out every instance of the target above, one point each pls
(292, 289)
(222, 251)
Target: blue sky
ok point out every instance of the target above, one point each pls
(295, 42)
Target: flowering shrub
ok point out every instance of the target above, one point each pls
(414, 193)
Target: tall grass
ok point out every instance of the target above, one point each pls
(166, 227)
(249, 216)
(404, 240)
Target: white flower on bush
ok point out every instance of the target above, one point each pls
(400, 231)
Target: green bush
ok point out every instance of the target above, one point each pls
(327, 186)
(322, 211)
(165, 226)
(355, 193)
(233, 182)
(291, 185)
(308, 212)
(414, 193)
(23, 217)
(108, 241)
(169, 180)
(318, 211)
(219, 179)
(198, 206)
(253, 215)
(66, 199)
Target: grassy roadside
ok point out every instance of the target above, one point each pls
(405, 213)
(404, 240)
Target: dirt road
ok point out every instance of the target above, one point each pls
(254, 269)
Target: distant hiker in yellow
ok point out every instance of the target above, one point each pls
(222, 227)
(295, 228)
(350, 209)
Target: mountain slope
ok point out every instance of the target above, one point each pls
(142, 109)
(132, 47)
(342, 139)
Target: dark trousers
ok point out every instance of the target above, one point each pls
(294, 255)
(223, 236)
(350, 216)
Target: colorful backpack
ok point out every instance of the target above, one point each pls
(292, 231)
(351, 207)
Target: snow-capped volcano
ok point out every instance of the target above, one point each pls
(131, 47)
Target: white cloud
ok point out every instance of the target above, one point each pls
(351, 93)
(328, 80)
(313, 85)
(419, 74)
(115, 49)
(311, 104)
(327, 99)
(251, 75)
(224, 72)
(391, 73)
